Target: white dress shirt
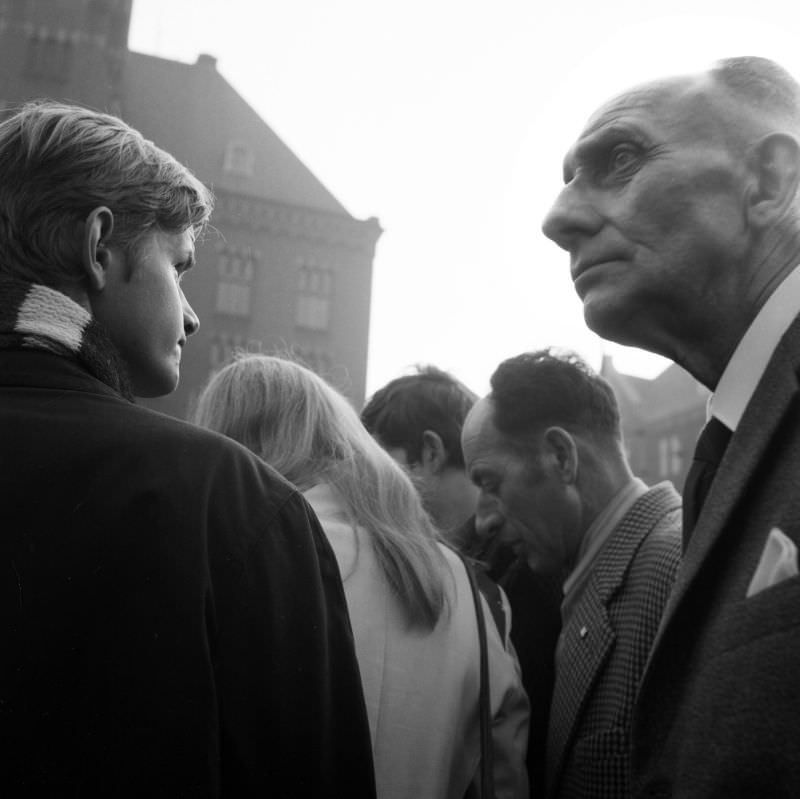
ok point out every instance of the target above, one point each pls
(751, 356)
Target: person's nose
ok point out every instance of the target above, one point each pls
(572, 217)
(191, 322)
(488, 518)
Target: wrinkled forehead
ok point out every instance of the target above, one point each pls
(685, 107)
(647, 99)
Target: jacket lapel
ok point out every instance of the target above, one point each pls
(588, 639)
(764, 413)
(585, 644)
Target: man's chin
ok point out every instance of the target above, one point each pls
(609, 319)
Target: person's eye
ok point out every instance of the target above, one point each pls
(488, 485)
(622, 160)
(180, 270)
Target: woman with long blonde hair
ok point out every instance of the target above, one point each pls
(408, 596)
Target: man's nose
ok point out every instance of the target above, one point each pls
(191, 322)
(572, 216)
(487, 521)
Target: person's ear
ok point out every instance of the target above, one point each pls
(95, 253)
(562, 450)
(434, 453)
(775, 161)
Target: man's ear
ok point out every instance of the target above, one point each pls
(775, 161)
(95, 252)
(563, 452)
(434, 453)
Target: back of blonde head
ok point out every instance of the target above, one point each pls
(310, 433)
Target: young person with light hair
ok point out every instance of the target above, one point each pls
(409, 596)
(172, 621)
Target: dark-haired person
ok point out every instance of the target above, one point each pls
(172, 621)
(545, 450)
(417, 419)
(681, 215)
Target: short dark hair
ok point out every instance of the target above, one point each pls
(399, 413)
(552, 388)
(58, 163)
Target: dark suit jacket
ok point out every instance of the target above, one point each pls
(535, 601)
(719, 709)
(604, 648)
(172, 621)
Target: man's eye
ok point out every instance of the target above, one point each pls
(622, 159)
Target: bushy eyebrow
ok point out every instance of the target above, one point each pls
(595, 143)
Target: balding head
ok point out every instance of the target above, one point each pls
(680, 210)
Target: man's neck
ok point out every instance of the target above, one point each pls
(779, 257)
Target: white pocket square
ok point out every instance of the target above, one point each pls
(778, 562)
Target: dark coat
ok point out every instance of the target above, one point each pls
(535, 601)
(172, 619)
(719, 709)
(604, 648)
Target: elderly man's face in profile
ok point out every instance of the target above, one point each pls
(651, 211)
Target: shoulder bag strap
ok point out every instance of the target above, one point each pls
(487, 777)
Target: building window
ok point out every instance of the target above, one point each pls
(233, 299)
(314, 293)
(239, 159)
(236, 267)
(49, 55)
(318, 361)
(670, 456)
(224, 345)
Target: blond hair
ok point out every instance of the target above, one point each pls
(59, 162)
(309, 432)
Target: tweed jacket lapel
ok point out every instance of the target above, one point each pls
(773, 396)
(588, 638)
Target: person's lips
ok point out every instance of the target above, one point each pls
(583, 265)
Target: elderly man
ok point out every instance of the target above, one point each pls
(682, 219)
(545, 449)
(173, 621)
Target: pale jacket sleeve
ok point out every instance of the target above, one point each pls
(510, 711)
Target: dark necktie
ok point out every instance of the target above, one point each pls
(707, 455)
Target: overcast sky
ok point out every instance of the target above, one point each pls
(448, 120)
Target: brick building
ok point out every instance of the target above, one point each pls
(661, 420)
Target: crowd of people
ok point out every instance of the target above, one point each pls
(439, 595)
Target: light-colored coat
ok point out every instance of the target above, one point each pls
(421, 688)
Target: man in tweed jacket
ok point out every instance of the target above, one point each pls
(545, 449)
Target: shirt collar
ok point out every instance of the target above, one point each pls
(598, 533)
(750, 358)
